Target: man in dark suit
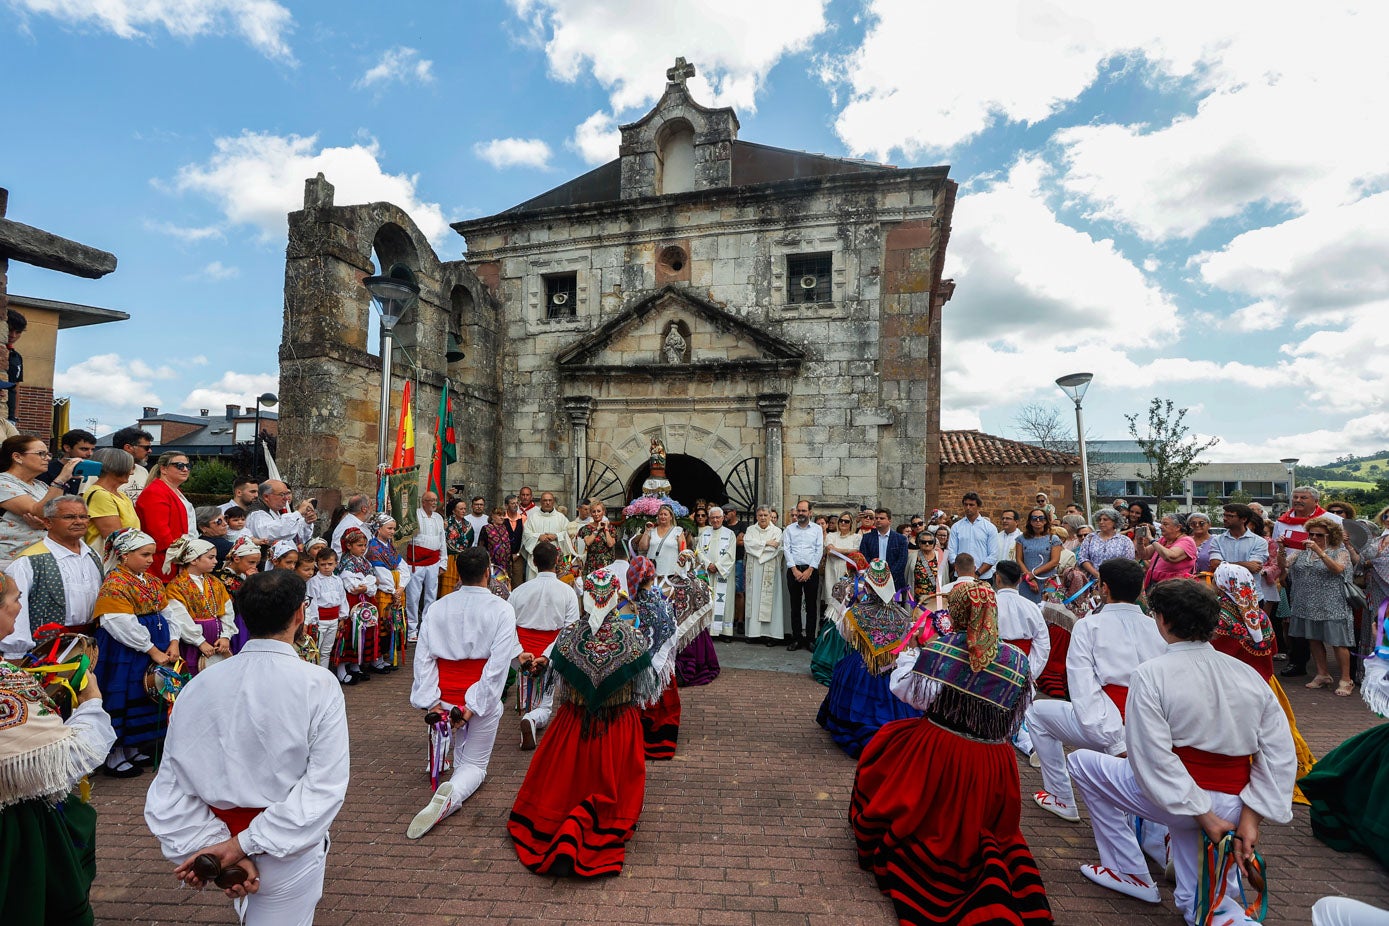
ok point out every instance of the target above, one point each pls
(886, 544)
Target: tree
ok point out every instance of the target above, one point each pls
(1043, 426)
(210, 477)
(1172, 453)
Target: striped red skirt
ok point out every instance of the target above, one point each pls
(936, 819)
(580, 800)
(660, 725)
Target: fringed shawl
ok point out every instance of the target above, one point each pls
(693, 603)
(203, 604)
(356, 564)
(874, 628)
(604, 670)
(657, 620)
(124, 592)
(383, 555)
(40, 757)
(987, 705)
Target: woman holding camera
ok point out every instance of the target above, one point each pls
(22, 494)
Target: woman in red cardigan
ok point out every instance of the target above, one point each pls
(164, 513)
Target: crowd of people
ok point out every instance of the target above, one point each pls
(947, 644)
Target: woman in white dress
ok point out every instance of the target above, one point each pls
(662, 542)
(845, 539)
(765, 588)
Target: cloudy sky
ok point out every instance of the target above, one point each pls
(1189, 200)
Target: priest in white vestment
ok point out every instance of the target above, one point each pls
(256, 764)
(545, 523)
(764, 595)
(716, 549)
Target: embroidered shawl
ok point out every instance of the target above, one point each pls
(604, 670)
(873, 627)
(40, 757)
(657, 619)
(988, 704)
(382, 554)
(124, 592)
(693, 603)
(925, 577)
(203, 604)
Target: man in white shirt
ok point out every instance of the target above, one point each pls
(1020, 621)
(260, 787)
(477, 518)
(716, 549)
(425, 555)
(1209, 750)
(1005, 544)
(58, 578)
(1106, 647)
(270, 519)
(974, 534)
(245, 491)
(545, 523)
(358, 511)
(544, 606)
(465, 650)
(803, 546)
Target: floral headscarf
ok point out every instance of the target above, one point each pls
(186, 549)
(123, 541)
(244, 546)
(974, 610)
(1241, 617)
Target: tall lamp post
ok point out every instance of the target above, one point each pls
(1291, 464)
(393, 295)
(1074, 385)
(269, 400)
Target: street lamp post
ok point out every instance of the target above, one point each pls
(1291, 464)
(1074, 385)
(269, 400)
(392, 294)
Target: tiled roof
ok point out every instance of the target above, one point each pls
(974, 448)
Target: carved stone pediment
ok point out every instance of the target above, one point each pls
(675, 333)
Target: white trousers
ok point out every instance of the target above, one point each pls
(290, 889)
(1342, 911)
(419, 595)
(1052, 726)
(1112, 794)
(327, 636)
(543, 711)
(472, 750)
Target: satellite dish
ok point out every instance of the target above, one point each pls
(809, 282)
(559, 298)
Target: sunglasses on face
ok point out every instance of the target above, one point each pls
(928, 543)
(182, 467)
(1037, 517)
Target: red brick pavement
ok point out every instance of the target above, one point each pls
(746, 826)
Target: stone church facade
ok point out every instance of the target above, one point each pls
(773, 316)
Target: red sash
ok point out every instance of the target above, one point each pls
(236, 818)
(535, 642)
(329, 613)
(456, 676)
(421, 556)
(1214, 772)
(1119, 694)
(1024, 645)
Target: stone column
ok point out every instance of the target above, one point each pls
(773, 406)
(579, 408)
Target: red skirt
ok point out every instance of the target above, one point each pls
(580, 800)
(660, 725)
(943, 853)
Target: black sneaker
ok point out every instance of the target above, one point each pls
(1294, 672)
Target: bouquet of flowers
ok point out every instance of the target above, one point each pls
(648, 505)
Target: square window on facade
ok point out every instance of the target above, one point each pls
(808, 278)
(561, 295)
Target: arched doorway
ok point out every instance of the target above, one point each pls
(690, 480)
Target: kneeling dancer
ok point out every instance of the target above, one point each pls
(584, 789)
(936, 805)
(467, 641)
(247, 802)
(1190, 768)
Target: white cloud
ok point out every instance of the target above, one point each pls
(258, 178)
(231, 389)
(264, 24)
(398, 65)
(627, 45)
(514, 152)
(187, 233)
(219, 271)
(1361, 434)
(597, 138)
(111, 380)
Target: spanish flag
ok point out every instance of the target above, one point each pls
(405, 434)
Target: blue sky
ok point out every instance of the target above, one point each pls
(1198, 213)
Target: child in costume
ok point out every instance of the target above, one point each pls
(200, 610)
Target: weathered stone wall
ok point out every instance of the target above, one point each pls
(1002, 487)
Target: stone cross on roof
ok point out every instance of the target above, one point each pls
(682, 72)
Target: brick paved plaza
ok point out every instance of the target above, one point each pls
(747, 826)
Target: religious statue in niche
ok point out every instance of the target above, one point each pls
(675, 347)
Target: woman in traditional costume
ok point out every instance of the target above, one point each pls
(829, 645)
(1245, 632)
(48, 849)
(583, 792)
(458, 536)
(693, 602)
(357, 643)
(200, 611)
(242, 562)
(936, 802)
(874, 627)
(392, 575)
(660, 723)
(132, 634)
(764, 594)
